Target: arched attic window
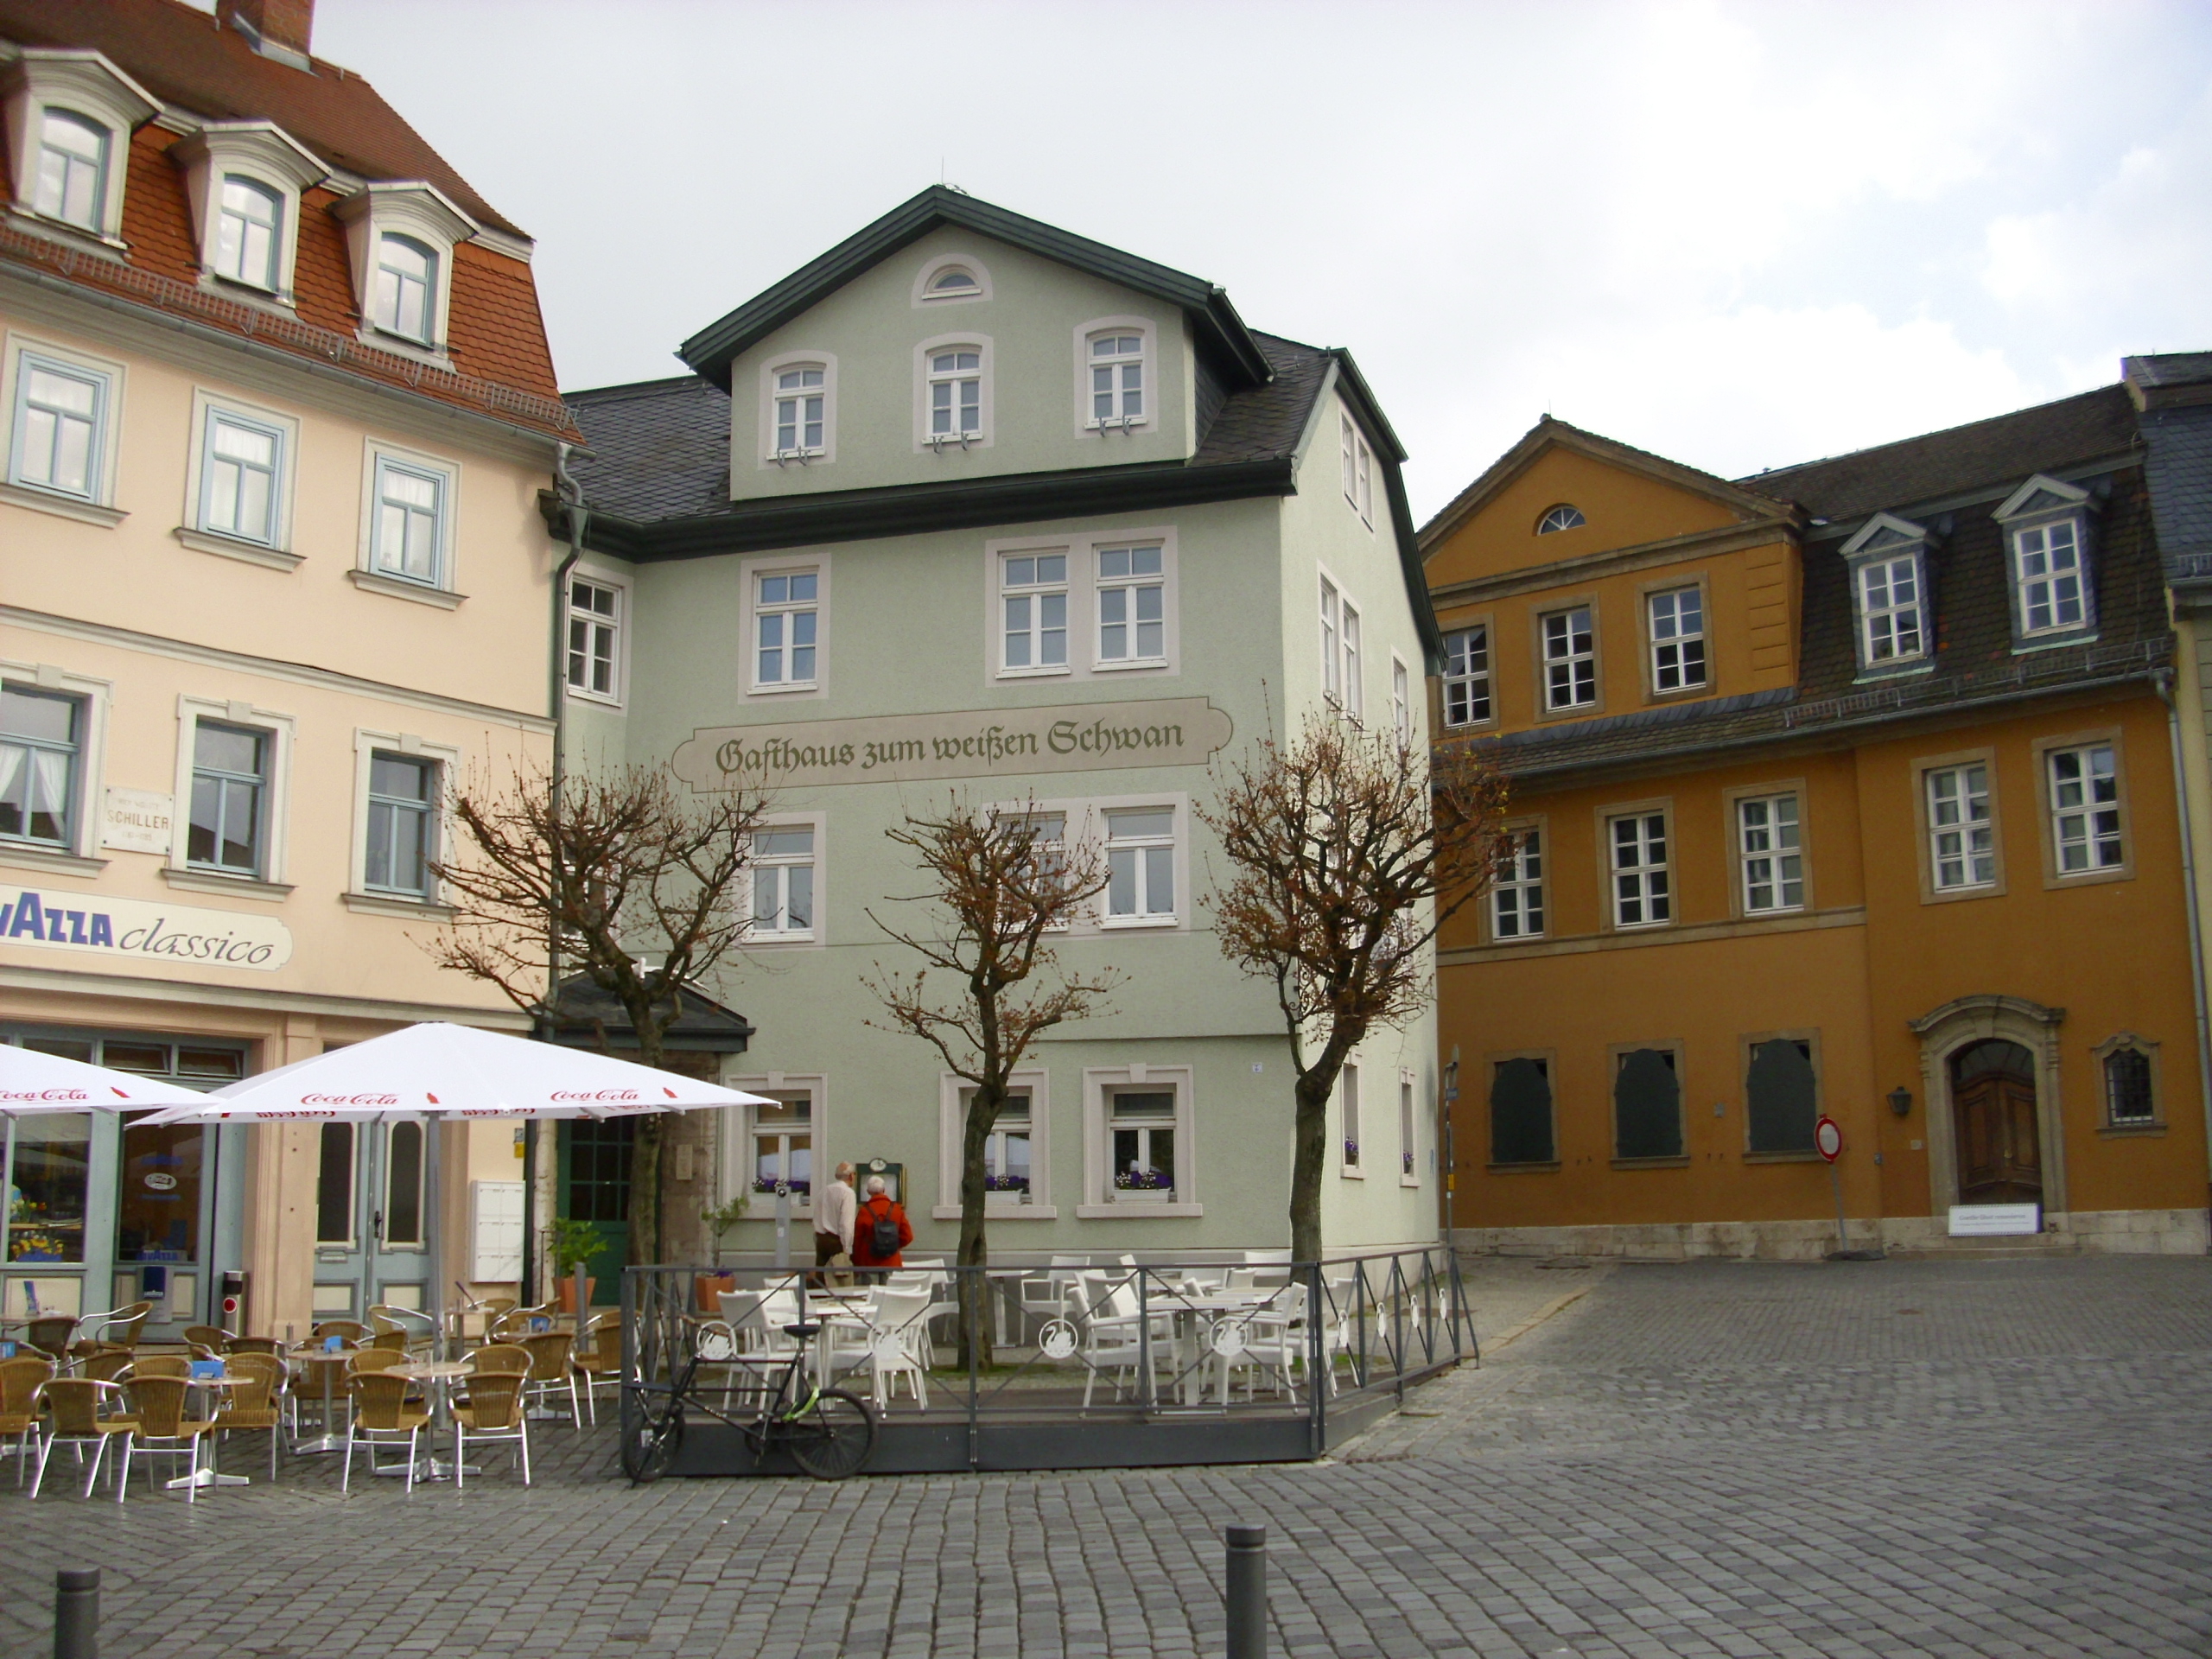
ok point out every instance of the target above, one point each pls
(954, 279)
(1564, 516)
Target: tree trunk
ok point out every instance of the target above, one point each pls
(1309, 1153)
(975, 1250)
(644, 1193)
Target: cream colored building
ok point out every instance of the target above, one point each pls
(271, 580)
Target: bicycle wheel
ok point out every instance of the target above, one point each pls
(832, 1438)
(648, 1453)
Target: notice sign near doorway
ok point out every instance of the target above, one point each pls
(1995, 1220)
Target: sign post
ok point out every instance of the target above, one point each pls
(1828, 1141)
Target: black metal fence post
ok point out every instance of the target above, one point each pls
(1247, 1596)
(77, 1613)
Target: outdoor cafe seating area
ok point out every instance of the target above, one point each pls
(88, 1407)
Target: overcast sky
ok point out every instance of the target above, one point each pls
(1740, 235)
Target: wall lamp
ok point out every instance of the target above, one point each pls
(1901, 1101)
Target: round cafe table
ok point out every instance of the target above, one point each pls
(440, 1375)
(207, 1477)
(331, 1366)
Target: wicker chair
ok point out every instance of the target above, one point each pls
(211, 1340)
(502, 1356)
(159, 1428)
(50, 1335)
(121, 1324)
(493, 1413)
(159, 1365)
(551, 1371)
(19, 1379)
(352, 1332)
(249, 1405)
(73, 1412)
(107, 1362)
(379, 1417)
(273, 1346)
(600, 1364)
(514, 1324)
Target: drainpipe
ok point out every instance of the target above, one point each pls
(2163, 679)
(572, 497)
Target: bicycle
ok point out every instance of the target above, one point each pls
(829, 1433)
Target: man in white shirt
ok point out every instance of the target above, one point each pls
(834, 1211)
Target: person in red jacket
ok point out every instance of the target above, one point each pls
(876, 1209)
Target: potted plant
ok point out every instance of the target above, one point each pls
(709, 1286)
(572, 1243)
(1135, 1186)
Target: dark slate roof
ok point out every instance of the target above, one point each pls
(2171, 369)
(1958, 462)
(660, 448)
(1974, 659)
(584, 1012)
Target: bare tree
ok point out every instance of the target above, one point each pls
(1003, 881)
(623, 876)
(1350, 849)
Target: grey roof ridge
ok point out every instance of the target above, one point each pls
(1637, 719)
(639, 387)
(710, 350)
(1752, 480)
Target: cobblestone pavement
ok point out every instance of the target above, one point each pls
(1963, 1458)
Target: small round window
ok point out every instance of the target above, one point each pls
(1562, 516)
(954, 279)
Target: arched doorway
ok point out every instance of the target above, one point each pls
(1994, 1107)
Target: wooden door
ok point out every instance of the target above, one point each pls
(1993, 1100)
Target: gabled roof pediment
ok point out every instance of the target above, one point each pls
(1549, 435)
(1885, 530)
(2042, 494)
(709, 352)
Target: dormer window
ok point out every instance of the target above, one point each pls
(247, 227)
(1888, 561)
(802, 405)
(2047, 542)
(1116, 380)
(407, 274)
(70, 113)
(72, 169)
(401, 239)
(1564, 516)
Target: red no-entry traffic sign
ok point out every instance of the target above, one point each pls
(1828, 1137)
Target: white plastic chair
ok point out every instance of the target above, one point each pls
(1275, 1337)
(895, 1340)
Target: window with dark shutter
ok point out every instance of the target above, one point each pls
(1521, 1114)
(1647, 1106)
(1780, 1096)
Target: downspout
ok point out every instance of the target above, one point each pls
(572, 498)
(2163, 679)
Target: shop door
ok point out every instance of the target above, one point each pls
(164, 1217)
(1994, 1102)
(594, 1186)
(371, 1213)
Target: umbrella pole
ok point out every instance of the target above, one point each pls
(433, 1155)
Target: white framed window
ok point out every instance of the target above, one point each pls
(405, 299)
(1348, 1124)
(404, 801)
(1962, 833)
(1408, 1133)
(595, 644)
(787, 616)
(1140, 859)
(1570, 659)
(249, 232)
(1677, 634)
(1890, 612)
(1564, 516)
(2085, 808)
(1643, 892)
(1401, 701)
(784, 901)
(1131, 600)
(61, 427)
(954, 281)
(1467, 675)
(1357, 465)
(2050, 570)
(1355, 674)
(43, 737)
(802, 412)
(1139, 1141)
(1769, 854)
(242, 477)
(1017, 1157)
(949, 279)
(781, 1143)
(954, 385)
(1117, 375)
(72, 168)
(1034, 612)
(228, 822)
(1516, 895)
(408, 532)
(1332, 667)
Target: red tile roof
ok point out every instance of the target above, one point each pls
(495, 335)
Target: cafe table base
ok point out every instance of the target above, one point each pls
(207, 1477)
(440, 1376)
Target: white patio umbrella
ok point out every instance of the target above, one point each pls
(31, 1082)
(440, 1071)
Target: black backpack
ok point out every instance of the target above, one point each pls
(883, 1237)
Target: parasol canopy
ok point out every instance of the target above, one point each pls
(31, 1082)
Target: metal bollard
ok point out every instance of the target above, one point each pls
(1248, 1593)
(77, 1613)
